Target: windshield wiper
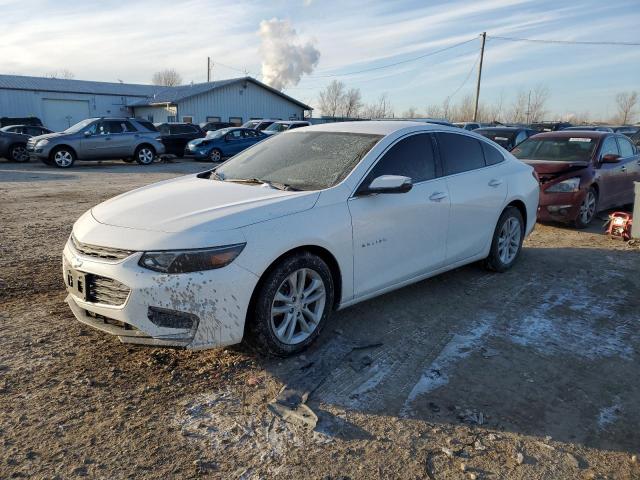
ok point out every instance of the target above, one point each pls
(256, 181)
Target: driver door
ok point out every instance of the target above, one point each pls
(234, 142)
(610, 175)
(399, 236)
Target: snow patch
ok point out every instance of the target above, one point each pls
(608, 415)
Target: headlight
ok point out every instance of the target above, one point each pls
(41, 143)
(185, 261)
(569, 185)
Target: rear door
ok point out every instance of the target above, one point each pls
(399, 236)
(631, 169)
(477, 189)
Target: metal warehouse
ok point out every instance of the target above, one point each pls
(60, 103)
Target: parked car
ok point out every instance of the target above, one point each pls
(627, 130)
(259, 124)
(635, 138)
(223, 143)
(97, 139)
(278, 127)
(213, 126)
(467, 125)
(595, 128)
(313, 220)
(33, 121)
(507, 137)
(175, 136)
(581, 173)
(13, 141)
(549, 126)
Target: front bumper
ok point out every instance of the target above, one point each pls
(560, 207)
(197, 154)
(215, 301)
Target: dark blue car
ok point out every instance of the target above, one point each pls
(222, 143)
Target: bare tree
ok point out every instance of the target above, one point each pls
(63, 74)
(331, 99)
(626, 103)
(168, 77)
(518, 112)
(539, 97)
(381, 109)
(351, 103)
(434, 110)
(411, 112)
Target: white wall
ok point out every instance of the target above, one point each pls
(160, 113)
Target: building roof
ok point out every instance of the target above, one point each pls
(149, 94)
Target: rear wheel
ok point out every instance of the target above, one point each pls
(507, 241)
(145, 154)
(63, 157)
(588, 209)
(18, 153)
(292, 305)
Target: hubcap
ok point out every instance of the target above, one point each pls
(298, 306)
(215, 156)
(509, 240)
(145, 155)
(588, 207)
(63, 158)
(20, 154)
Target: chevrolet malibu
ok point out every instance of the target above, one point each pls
(268, 244)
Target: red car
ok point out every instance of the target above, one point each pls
(581, 173)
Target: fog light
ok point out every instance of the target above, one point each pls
(162, 317)
(561, 209)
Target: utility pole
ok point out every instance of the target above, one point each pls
(528, 107)
(208, 69)
(483, 36)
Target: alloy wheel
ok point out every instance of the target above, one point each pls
(215, 156)
(19, 153)
(509, 240)
(588, 208)
(298, 306)
(63, 158)
(145, 156)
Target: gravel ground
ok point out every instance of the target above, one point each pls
(531, 374)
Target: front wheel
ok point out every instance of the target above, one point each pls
(18, 153)
(63, 157)
(215, 156)
(507, 241)
(588, 209)
(144, 155)
(292, 305)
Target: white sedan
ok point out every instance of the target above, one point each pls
(268, 244)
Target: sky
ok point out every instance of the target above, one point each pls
(130, 40)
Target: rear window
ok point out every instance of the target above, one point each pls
(565, 149)
(460, 153)
(504, 138)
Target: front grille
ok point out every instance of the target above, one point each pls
(106, 253)
(106, 290)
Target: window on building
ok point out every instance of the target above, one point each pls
(235, 121)
(213, 119)
(171, 118)
(187, 119)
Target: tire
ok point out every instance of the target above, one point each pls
(277, 323)
(145, 154)
(507, 241)
(62, 157)
(18, 153)
(588, 209)
(215, 156)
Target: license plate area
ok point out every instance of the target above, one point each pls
(77, 283)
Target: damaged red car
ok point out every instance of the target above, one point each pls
(581, 173)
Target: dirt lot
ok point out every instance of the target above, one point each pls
(525, 375)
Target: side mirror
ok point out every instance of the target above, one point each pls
(610, 158)
(87, 133)
(387, 184)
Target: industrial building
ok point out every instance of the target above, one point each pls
(60, 103)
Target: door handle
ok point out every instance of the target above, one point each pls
(495, 183)
(437, 196)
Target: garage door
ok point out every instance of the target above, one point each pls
(61, 114)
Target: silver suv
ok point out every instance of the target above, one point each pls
(98, 139)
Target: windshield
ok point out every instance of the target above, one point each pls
(250, 124)
(216, 133)
(277, 127)
(303, 160)
(80, 126)
(566, 149)
(503, 138)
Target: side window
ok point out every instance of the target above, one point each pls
(249, 133)
(175, 129)
(164, 129)
(609, 147)
(626, 148)
(128, 127)
(234, 135)
(110, 127)
(521, 137)
(460, 153)
(491, 154)
(411, 157)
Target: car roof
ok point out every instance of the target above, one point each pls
(377, 127)
(572, 133)
(505, 128)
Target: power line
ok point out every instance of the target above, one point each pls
(566, 42)
(395, 63)
(466, 79)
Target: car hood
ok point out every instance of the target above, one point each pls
(541, 166)
(48, 136)
(199, 204)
